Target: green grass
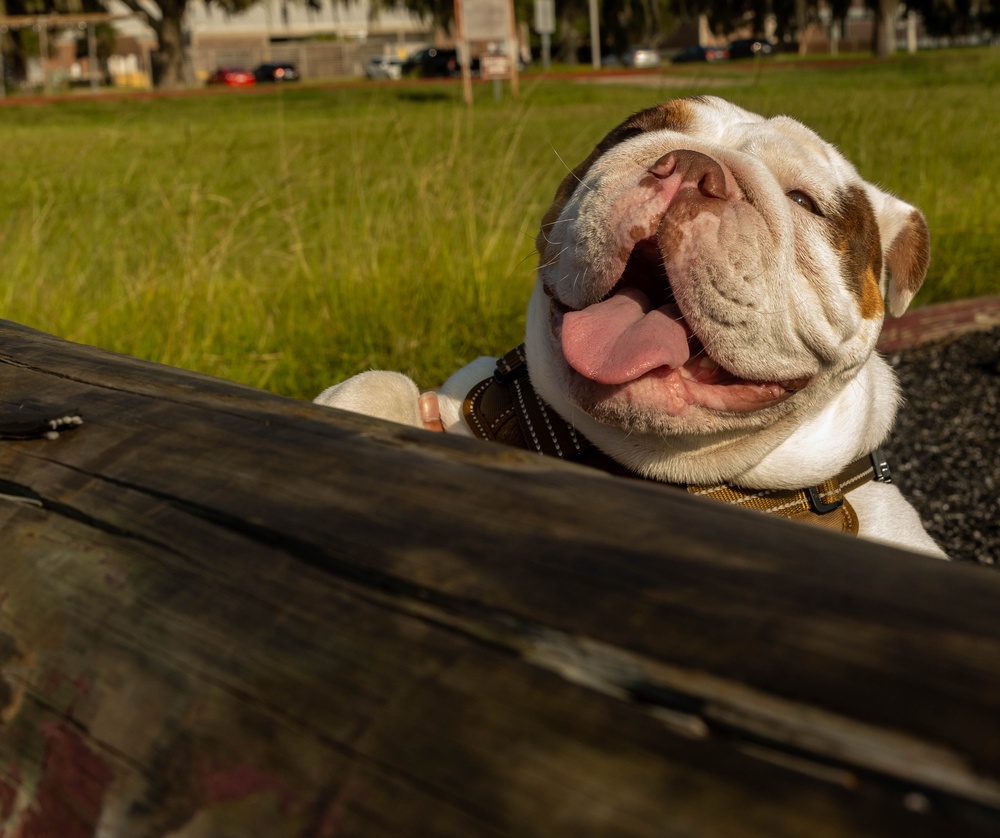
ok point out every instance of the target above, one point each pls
(292, 238)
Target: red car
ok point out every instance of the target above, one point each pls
(232, 77)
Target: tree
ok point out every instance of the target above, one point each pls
(440, 12)
(884, 35)
(951, 18)
(169, 56)
(645, 22)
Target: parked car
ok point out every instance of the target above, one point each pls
(384, 67)
(276, 71)
(750, 48)
(232, 77)
(697, 53)
(435, 62)
(641, 57)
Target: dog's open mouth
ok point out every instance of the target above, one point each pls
(638, 333)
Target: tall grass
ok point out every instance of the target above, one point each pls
(290, 239)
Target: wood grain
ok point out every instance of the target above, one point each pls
(225, 613)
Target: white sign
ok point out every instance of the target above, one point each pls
(494, 66)
(486, 20)
(545, 16)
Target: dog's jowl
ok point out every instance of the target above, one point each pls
(710, 289)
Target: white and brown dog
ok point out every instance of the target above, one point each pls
(710, 290)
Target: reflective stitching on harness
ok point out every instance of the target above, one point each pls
(789, 503)
(864, 477)
(552, 431)
(475, 394)
(708, 490)
(763, 493)
(527, 418)
(504, 416)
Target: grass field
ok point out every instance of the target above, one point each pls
(291, 238)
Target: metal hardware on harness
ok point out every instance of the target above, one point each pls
(818, 506)
(881, 467)
(511, 367)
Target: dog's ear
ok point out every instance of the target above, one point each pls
(906, 248)
(907, 259)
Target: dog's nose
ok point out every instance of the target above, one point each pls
(694, 167)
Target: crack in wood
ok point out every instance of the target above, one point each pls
(801, 738)
(691, 703)
(19, 493)
(699, 705)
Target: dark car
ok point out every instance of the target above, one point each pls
(697, 53)
(276, 71)
(435, 62)
(750, 48)
(232, 77)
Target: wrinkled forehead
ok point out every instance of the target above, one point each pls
(779, 149)
(781, 142)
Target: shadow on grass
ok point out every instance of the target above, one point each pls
(424, 96)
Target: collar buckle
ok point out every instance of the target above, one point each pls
(880, 467)
(819, 506)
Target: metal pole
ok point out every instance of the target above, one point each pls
(43, 51)
(545, 24)
(595, 36)
(463, 54)
(513, 50)
(92, 56)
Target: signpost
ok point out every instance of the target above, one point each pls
(485, 20)
(491, 21)
(497, 68)
(545, 25)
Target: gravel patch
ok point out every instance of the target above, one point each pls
(945, 449)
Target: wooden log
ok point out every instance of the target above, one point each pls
(226, 613)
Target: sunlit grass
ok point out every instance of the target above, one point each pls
(290, 239)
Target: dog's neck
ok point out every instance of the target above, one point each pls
(506, 408)
(821, 445)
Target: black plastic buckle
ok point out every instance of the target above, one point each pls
(506, 373)
(880, 466)
(818, 506)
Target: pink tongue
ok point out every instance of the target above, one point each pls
(620, 339)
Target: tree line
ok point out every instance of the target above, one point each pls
(622, 22)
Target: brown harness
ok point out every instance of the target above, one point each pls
(505, 408)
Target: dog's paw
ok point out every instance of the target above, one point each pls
(385, 395)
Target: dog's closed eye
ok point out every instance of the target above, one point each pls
(797, 196)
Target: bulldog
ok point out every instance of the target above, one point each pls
(710, 290)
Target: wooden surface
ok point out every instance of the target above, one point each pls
(224, 613)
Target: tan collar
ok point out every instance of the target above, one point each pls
(505, 408)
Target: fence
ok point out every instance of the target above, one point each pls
(314, 59)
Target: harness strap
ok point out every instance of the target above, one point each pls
(505, 408)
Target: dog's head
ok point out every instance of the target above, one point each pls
(708, 276)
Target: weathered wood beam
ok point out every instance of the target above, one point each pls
(227, 613)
